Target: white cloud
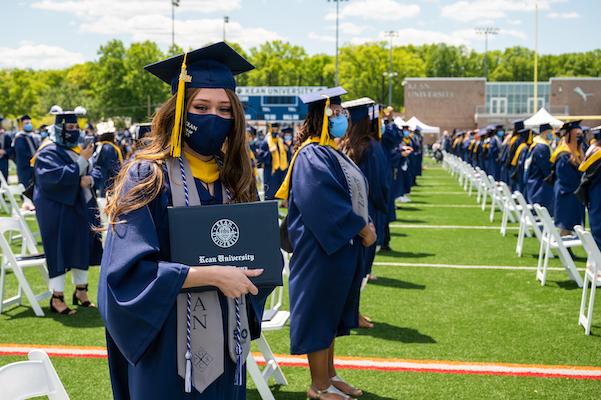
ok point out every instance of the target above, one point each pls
(348, 28)
(514, 22)
(38, 56)
(566, 15)
(384, 10)
(130, 8)
(472, 10)
(322, 38)
(151, 20)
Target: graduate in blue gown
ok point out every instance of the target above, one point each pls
(519, 160)
(108, 157)
(328, 225)
(362, 145)
(24, 148)
(589, 191)
(538, 168)
(66, 209)
(494, 149)
(566, 159)
(273, 154)
(6, 151)
(139, 285)
(391, 142)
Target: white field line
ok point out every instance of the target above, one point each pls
(460, 266)
(415, 226)
(437, 205)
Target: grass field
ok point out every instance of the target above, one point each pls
(421, 313)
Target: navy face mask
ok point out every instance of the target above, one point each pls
(206, 133)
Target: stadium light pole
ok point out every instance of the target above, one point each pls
(174, 3)
(337, 24)
(486, 30)
(391, 35)
(226, 21)
(535, 56)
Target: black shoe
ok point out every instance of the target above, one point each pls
(76, 301)
(385, 248)
(66, 311)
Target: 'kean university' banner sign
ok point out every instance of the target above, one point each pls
(274, 103)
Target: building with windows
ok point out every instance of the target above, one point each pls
(469, 103)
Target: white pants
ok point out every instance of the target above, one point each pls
(78, 277)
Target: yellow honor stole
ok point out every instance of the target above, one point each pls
(206, 171)
(279, 158)
(562, 148)
(516, 156)
(590, 160)
(117, 149)
(284, 190)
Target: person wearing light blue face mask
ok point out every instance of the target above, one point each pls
(6, 150)
(24, 147)
(538, 167)
(329, 230)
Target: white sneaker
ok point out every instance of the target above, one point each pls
(405, 199)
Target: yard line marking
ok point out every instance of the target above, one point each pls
(428, 193)
(415, 226)
(370, 364)
(459, 266)
(436, 205)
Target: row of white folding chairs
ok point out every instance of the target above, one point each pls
(536, 220)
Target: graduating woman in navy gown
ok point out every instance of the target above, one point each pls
(67, 211)
(590, 187)
(161, 344)
(329, 230)
(538, 168)
(361, 145)
(566, 158)
(108, 157)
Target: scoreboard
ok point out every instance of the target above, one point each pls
(274, 103)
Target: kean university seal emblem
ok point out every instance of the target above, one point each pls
(225, 233)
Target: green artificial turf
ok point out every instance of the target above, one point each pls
(420, 313)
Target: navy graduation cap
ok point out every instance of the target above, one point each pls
(518, 125)
(333, 94)
(25, 117)
(212, 67)
(568, 126)
(544, 127)
(359, 108)
(66, 117)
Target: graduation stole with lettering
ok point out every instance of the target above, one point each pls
(279, 158)
(206, 171)
(117, 149)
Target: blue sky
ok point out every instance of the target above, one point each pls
(58, 33)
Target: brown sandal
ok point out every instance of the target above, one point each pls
(354, 392)
(315, 394)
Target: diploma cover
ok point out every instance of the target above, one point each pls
(244, 235)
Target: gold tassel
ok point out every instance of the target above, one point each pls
(380, 124)
(176, 132)
(325, 134)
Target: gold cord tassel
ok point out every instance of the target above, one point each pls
(176, 132)
(325, 134)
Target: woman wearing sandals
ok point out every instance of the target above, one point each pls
(329, 230)
(66, 209)
(162, 343)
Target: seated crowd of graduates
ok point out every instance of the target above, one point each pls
(558, 170)
(339, 175)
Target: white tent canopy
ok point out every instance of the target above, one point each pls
(400, 122)
(414, 122)
(542, 117)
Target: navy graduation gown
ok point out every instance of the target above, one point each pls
(23, 156)
(391, 140)
(373, 165)
(64, 217)
(137, 296)
(493, 154)
(327, 264)
(106, 166)
(568, 210)
(594, 208)
(6, 145)
(538, 191)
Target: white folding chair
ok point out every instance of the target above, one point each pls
(552, 240)
(511, 210)
(33, 378)
(273, 319)
(592, 276)
(528, 223)
(27, 259)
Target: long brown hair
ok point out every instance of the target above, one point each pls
(357, 139)
(312, 124)
(236, 172)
